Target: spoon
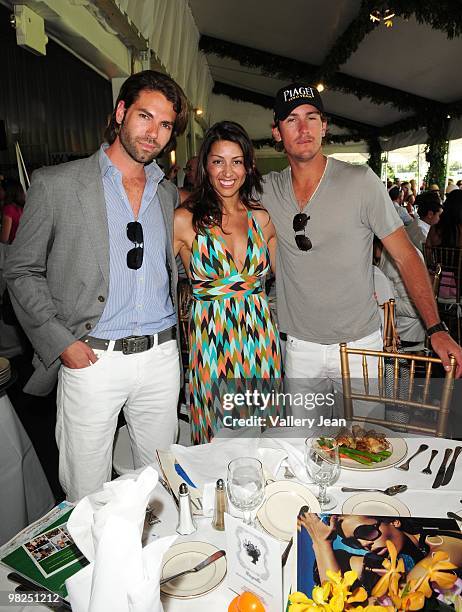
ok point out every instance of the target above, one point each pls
(405, 466)
(388, 491)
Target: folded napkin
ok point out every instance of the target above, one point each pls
(107, 527)
(295, 452)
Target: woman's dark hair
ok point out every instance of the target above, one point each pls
(204, 202)
(150, 80)
(14, 193)
(449, 226)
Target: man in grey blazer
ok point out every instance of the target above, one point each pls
(92, 278)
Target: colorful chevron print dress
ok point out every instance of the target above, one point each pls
(232, 335)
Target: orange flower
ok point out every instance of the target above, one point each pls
(436, 568)
(407, 598)
(388, 583)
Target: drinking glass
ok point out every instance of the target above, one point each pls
(322, 464)
(246, 485)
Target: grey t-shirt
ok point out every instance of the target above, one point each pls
(326, 295)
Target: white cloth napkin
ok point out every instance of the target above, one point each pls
(294, 448)
(107, 527)
(208, 462)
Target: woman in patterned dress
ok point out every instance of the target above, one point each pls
(226, 241)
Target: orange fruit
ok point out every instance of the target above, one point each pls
(246, 602)
(233, 606)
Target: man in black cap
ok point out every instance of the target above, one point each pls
(326, 213)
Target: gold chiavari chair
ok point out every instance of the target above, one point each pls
(419, 400)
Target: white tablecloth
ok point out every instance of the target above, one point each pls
(24, 490)
(421, 499)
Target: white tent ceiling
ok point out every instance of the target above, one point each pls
(411, 57)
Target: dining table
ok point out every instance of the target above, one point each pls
(282, 459)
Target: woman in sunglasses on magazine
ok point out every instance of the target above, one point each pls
(355, 542)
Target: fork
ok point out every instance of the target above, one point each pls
(405, 465)
(427, 470)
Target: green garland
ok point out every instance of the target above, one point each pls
(436, 150)
(375, 156)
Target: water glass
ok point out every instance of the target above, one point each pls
(246, 485)
(322, 463)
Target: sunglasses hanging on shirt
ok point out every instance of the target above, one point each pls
(135, 235)
(299, 225)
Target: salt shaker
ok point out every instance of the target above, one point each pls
(186, 524)
(221, 506)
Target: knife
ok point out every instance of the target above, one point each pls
(200, 566)
(450, 471)
(180, 471)
(440, 475)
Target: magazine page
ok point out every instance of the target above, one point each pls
(48, 558)
(370, 545)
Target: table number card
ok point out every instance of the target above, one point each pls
(254, 563)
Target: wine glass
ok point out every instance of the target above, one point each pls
(246, 485)
(322, 463)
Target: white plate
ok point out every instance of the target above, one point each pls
(186, 555)
(398, 449)
(375, 504)
(283, 500)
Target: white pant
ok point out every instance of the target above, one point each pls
(315, 368)
(146, 385)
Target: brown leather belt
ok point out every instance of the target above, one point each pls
(132, 344)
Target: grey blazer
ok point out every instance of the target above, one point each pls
(57, 269)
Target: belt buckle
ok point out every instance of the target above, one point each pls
(134, 344)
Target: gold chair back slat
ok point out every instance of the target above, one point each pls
(365, 374)
(380, 371)
(395, 377)
(428, 375)
(411, 379)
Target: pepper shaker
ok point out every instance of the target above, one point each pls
(221, 506)
(186, 524)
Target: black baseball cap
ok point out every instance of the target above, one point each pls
(293, 95)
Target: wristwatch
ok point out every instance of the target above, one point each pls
(439, 327)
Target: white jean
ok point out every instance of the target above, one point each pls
(146, 385)
(315, 368)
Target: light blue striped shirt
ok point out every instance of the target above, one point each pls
(139, 301)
